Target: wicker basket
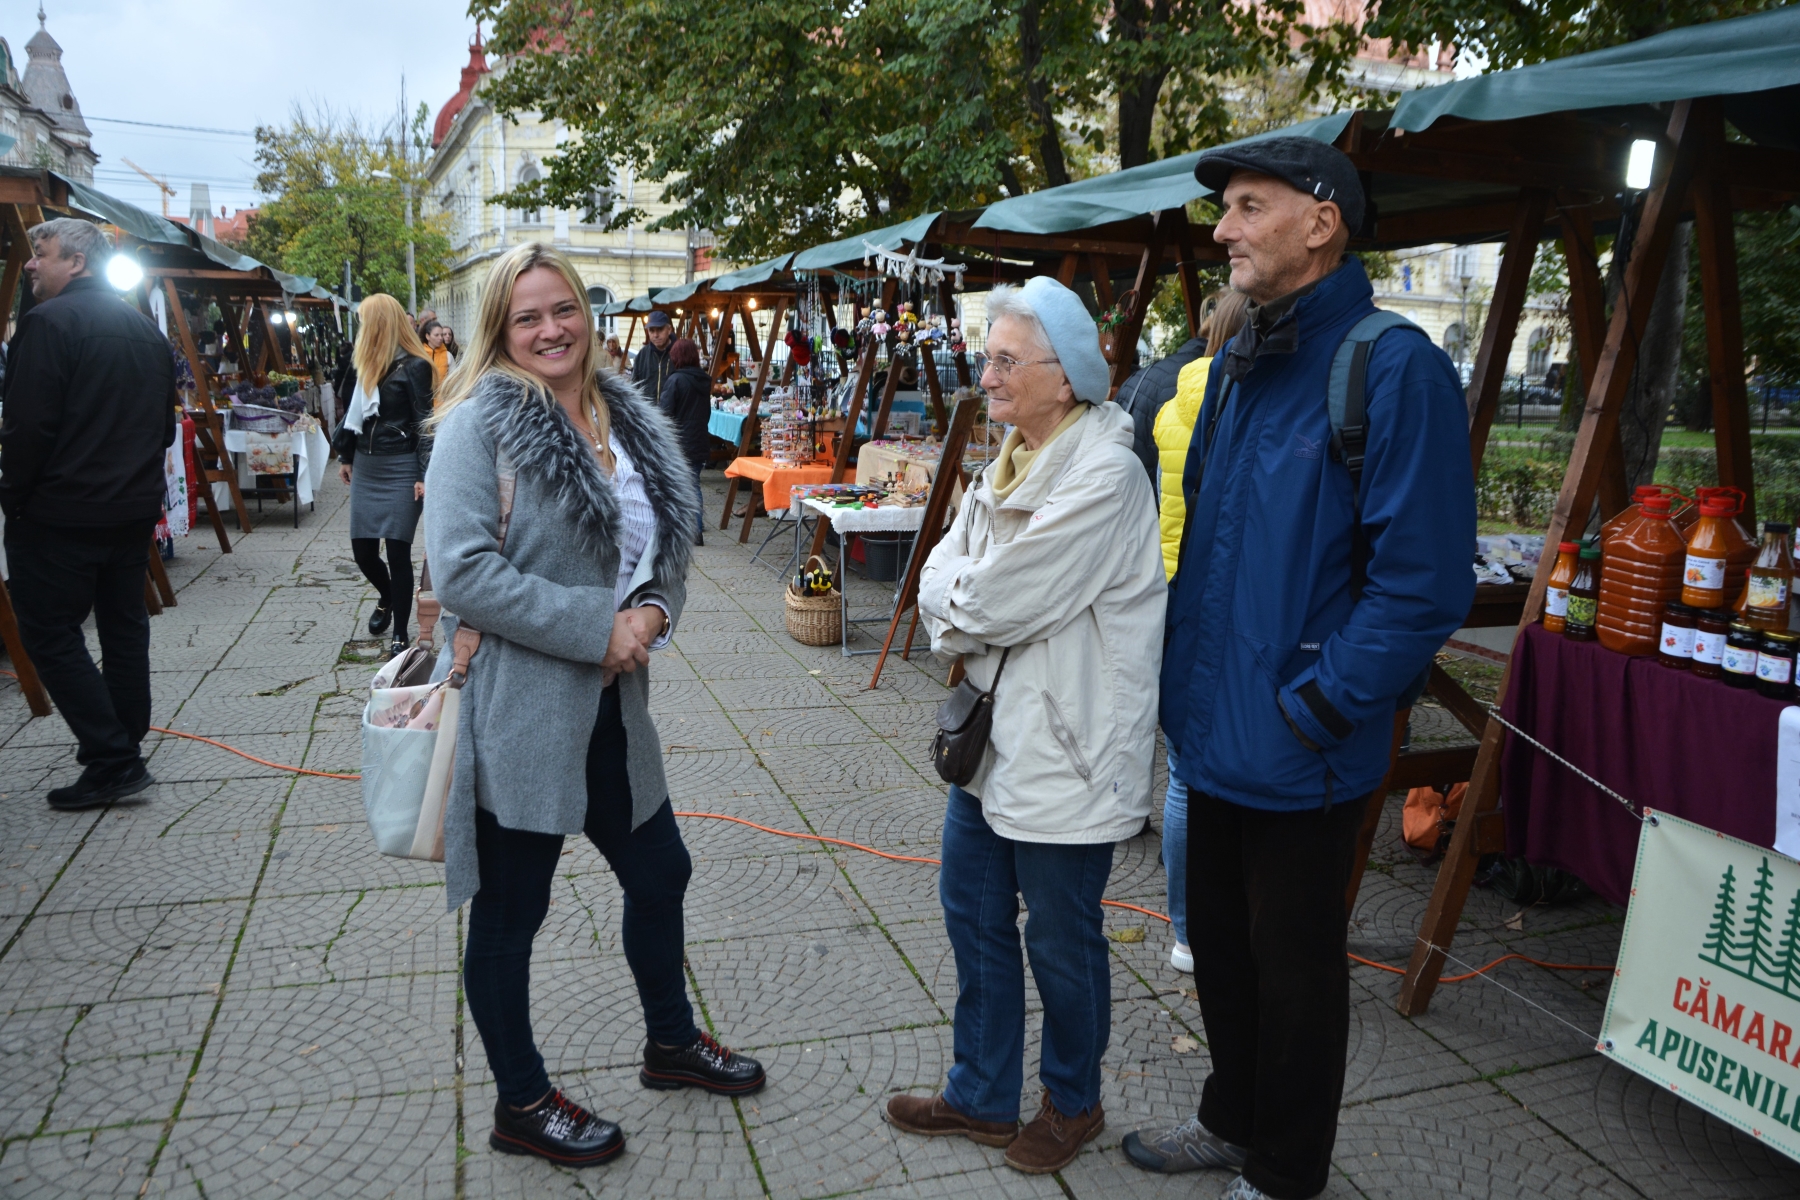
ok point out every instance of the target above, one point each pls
(814, 620)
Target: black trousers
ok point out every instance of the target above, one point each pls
(1268, 928)
(393, 579)
(517, 870)
(59, 576)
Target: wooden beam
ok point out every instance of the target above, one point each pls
(1502, 323)
(1599, 423)
(159, 574)
(1126, 332)
(35, 696)
(23, 189)
(931, 525)
(940, 420)
(1587, 323)
(717, 360)
(1065, 274)
(751, 341)
(752, 426)
(15, 262)
(1101, 271)
(890, 385)
(1724, 324)
(1182, 238)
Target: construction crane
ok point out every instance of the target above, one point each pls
(162, 185)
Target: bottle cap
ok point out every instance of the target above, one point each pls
(1656, 507)
(1567, 548)
(1590, 551)
(1777, 527)
(1717, 506)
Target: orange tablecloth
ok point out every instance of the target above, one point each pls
(777, 480)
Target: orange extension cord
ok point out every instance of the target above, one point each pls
(813, 837)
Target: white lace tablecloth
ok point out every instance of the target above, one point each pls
(312, 454)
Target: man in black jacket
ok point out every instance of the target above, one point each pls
(650, 370)
(1146, 391)
(89, 410)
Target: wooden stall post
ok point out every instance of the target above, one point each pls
(931, 528)
(159, 573)
(1587, 322)
(933, 388)
(1127, 331)
(15, 261)
(209, 431)
(1599, 424)
(747, 434)
(1724, 319)
(878, 427)
(29, 683)
(1502, 323)
(864, 369)
(717, 359)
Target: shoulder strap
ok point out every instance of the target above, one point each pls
(1347, 402)
(468, 640)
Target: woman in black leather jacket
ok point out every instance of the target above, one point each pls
(384, 454)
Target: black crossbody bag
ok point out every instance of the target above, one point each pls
(965, 723)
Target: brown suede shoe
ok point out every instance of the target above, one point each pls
(1051, 1141)
(933, 1117)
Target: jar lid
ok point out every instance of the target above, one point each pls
(1742, 627)
(1590, 551)
(1787, 640)
(1717, 616)
(1680, 611)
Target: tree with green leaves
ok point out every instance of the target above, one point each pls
(338, 188)
(788, 122)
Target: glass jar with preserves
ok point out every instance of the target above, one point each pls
(1775, 665)
(1742, 645)
(1556, 595)
(1711, 628)
(1675, 648)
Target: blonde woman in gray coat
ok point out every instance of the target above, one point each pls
(571, 595)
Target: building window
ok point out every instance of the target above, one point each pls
(529, 173)
(1537, 353)
(599, 297)
(1455, 343)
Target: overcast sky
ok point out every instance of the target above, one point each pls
(230, 66)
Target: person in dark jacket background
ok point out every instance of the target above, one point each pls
(89, 410)
(1146, 391)
(650, 369)
(687, 400)
(1281, 676)
(384, 453)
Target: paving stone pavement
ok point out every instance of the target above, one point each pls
(225, 992)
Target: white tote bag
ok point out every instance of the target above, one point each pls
(409, 735)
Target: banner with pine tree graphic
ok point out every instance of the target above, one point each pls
(1706, 997)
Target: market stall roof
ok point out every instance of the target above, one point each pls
(749, 276)
(1135, 192)
(148, 227)
(1755, 60)
(852, 249)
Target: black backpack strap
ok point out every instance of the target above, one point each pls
(1347, 402)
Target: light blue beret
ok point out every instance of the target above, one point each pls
(1073, 336)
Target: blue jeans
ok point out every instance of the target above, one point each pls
(700, 489)
(1174, 850)
(517, 870)
(980, 883)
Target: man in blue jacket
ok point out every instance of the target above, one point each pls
(1299, 616)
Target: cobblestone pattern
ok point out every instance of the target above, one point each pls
(224, 992)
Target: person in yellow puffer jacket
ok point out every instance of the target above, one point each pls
(1175, 423)
(1174, 429)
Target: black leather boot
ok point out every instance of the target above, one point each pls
(378, 620)
(557, 1129)
(702, 1063)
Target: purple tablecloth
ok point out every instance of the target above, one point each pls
(1666, 739)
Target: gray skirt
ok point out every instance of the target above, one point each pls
(381, 496)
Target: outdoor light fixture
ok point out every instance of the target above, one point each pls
(292, 317)
(715, 314)
(753, 304)
(123, 272)
(1637, 170)
(274, 318)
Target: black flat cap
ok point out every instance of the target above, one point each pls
(1319, 169)
(656, 320)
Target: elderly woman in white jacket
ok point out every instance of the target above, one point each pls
(1054, 563)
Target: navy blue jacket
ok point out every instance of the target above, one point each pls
(1262, 605)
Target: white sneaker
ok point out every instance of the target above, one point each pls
(1182, 959)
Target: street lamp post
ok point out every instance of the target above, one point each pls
(412, 280)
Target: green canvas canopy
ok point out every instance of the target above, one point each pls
(1122, 195)
(1753, 60)
(744, 277)
(853, 248)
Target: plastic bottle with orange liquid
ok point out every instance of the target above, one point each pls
(1643, 572)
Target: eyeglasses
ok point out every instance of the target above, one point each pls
(1004, 365)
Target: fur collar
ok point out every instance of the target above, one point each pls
(535, 433)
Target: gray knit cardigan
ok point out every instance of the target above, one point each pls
(545, 604)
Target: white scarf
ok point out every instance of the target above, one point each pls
(363, 405)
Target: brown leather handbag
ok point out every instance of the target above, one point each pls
(965, 724)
